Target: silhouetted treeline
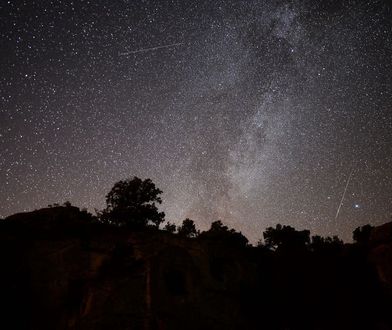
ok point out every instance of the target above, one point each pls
(64, 268)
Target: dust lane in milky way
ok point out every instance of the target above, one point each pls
(249, 112)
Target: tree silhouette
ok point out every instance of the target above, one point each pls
(286, 238)
(170, 227)
(361, 235)
(188, 228)
(132, 202)
(67, 204)
(326, 244)
(221, 233)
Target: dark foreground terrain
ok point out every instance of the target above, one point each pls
(62, 270)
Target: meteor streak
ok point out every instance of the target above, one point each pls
(344, 194)
(143, 50)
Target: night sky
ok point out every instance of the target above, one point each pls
(252, 112)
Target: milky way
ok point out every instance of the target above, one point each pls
(255, 113)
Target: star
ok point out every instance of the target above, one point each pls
(252, 112)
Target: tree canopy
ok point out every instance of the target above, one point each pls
(188, 228)
(361, 235)
(133, 202)
(286, 238)
(220, 232)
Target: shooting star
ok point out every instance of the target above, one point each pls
(344, 194)
(143, 50)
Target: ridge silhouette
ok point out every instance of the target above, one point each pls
(64, 268)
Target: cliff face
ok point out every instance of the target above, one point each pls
(62, 273)
(60, 270)
(381, 252)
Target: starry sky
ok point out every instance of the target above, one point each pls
(252, 112)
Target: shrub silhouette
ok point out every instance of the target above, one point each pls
(132, 202)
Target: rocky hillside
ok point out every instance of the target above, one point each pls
(63, 270)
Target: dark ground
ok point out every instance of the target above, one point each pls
(61, 270)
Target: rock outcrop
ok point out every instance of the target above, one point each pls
(381, 252)
(62, 270)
